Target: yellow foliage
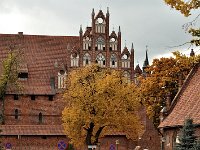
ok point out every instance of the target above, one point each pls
(163, 78)
(99, 101)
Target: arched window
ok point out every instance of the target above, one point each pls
(100, 44)
(40, 118)
(74, 60)
(100, 59)
(87, 43)
(16, 113)
(113, 61)
(61, 79)
(125, 61)
(86, 59)
(127, 76)
(113, 44)
(100, 25)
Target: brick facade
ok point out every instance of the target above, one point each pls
(30, 119)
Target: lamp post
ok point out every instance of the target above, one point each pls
(117, 143)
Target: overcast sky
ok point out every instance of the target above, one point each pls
(143, 22)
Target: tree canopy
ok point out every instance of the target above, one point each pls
(162, 80)
(185, 7)
(99, 101)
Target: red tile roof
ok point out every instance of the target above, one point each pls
(32, 130)
(186, 103)
(40, 53)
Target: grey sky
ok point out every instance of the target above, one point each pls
(143, 22)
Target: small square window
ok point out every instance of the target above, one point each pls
(104, 48)
(96, 48)
(89, 48)
(32, 97)
(23, 75)
(44, 137)
(110, 48)
(16, 97)
(50, 97)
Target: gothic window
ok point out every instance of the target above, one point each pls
(125, 61)
(101, 60)
(40, 118)
(87, 43)
(127, 76)
(74, 60)
(113, 44)
(113, 61)
(86, 59)
(16, 113)
(100, 44)
(61, 79)
(100, 25)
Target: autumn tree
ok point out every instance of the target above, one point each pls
(163, 79)
(185, 7)
(99, 101)
(9, 76)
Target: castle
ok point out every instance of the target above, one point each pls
(33, 114)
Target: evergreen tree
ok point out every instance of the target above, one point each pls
(187, 138)
(1, 148)
(70, 147)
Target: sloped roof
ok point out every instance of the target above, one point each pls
(32, 130)
(40, 53)
(186, 103)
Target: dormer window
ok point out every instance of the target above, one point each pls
(23, 75)
(61, 79)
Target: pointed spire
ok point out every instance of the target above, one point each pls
(81, 30)
(146, 62)
(132, 47)
(119, 30)
(107, 14)
(192, 53)
(93, 14)
(125, 43)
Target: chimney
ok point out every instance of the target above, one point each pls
(20, 34)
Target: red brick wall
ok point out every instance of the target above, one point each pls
(29, 110)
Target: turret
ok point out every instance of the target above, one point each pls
(119, 39)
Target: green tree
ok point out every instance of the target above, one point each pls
(185, 7)
(187, 138)
(163, 79)
(99, 101)
(70, 147)
(1, 148)
(9, 76)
